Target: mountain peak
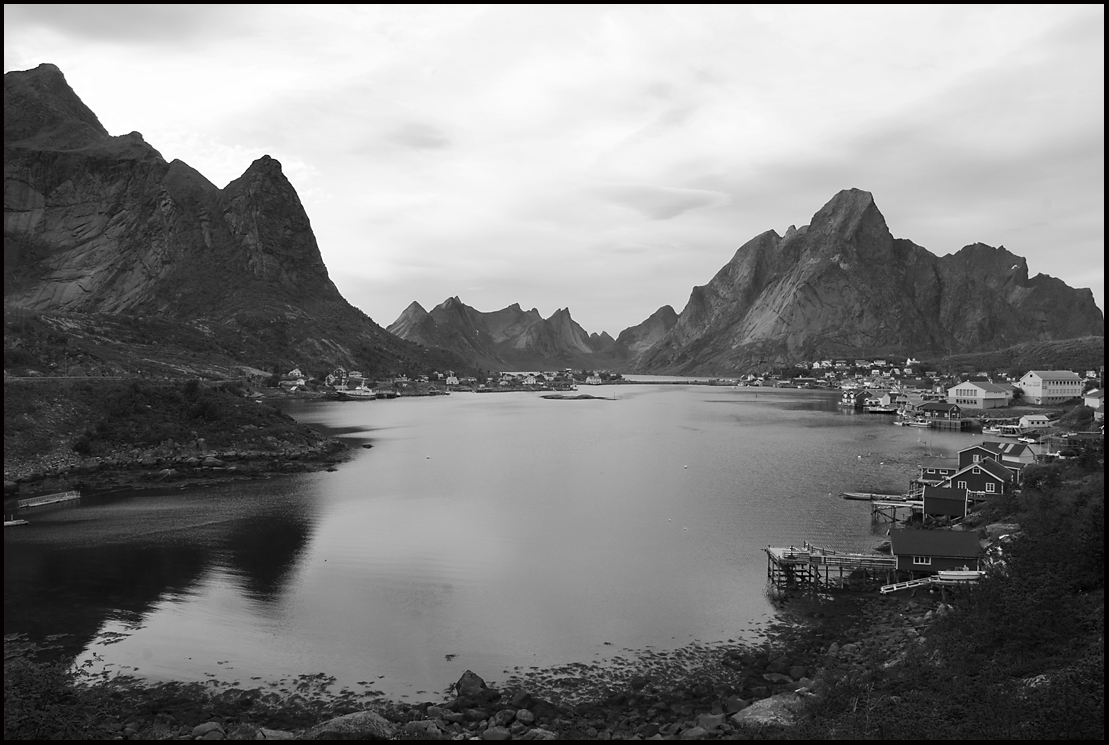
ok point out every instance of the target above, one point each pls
(39, 104)
(851, 214)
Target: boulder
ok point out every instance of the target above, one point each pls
(693, 733)
(201, 730)
(273, 734)
(523, 716)
(496, 733)
(778, 710)
(361, 725)
(425, 729)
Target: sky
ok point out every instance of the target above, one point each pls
(609, 158)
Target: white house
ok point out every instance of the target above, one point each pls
(1034, 421)
(452, 380)
(1050, 386)
(1093, 399)
(979, 394)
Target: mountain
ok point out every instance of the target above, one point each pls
(844, 286)
(506, 339)
(96, 224)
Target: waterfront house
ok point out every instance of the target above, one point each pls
(979, 394)
(984, 478)
(1013, 455)
(932, 551)
(932, 473)
(1034, 421)
(451, 380)
(940, 410)
(945, 502)
(1093, 399)
(1050, 386)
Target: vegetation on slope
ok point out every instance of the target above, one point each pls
(1020, 656)
(1079, 355)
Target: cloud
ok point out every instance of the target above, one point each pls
(419, 136)
(139, 24)
(660, 202)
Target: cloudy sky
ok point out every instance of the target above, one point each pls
(609, 158)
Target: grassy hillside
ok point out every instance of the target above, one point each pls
(57, 344)
(1085, 353)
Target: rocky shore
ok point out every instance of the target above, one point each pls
(189, 465)
(698, 692)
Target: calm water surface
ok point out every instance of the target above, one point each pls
(506, 529)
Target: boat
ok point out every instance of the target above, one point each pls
(881, 409)
(987, 430)
(13, 523)
(920, 423)
(961, 575)
(1010, 430)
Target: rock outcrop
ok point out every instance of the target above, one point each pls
(844, 286)
(101, 224)
(506, 339)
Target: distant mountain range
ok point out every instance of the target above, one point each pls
(96, 225)
(101, 224)
(840, 286)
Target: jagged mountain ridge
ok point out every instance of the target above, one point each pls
(102, 224)
(843, 285)
(506, 339)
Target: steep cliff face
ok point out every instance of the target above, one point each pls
(506, 339)
(102, 224)
(635, 340)
(843, 285)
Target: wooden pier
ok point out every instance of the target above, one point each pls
(816, 567)
(888, 509)
(61, 499)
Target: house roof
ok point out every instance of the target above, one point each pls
(989, 465)
(1055, 375)
(934, 543)
(1007, 449)
(987, 387)
(951, 463)
(993, 447)
(938, 406)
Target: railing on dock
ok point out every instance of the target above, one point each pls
(814, 565)
(45, 499)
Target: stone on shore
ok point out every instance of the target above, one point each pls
(361, 725)
(777, 710)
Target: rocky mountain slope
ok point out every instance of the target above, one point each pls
(844, 286)
(506, 339)
(101, 224)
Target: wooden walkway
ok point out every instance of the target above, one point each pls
(44, 499)
(809, 565)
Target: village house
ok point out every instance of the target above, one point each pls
(983, 478)
(939, 410)
(932, 473)
(1093, 398)
(931, 551)
(1013, 455)
(1050, 386)
(1034, 421)
(978, 394)
(945, 502)
(452, 379)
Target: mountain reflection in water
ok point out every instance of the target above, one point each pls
(502, 529)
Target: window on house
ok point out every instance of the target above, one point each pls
(961, 484)
(977, 458)
(976, 470)
(922, 561)
(990, 486)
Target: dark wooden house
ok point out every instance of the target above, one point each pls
(931, 551)
(945, 502)
(982, 479)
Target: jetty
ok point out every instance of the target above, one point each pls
(817, 567)
(942, 579)
(46, 499)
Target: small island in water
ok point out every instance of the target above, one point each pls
(578, 397)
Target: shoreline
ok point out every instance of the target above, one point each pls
(698, 691)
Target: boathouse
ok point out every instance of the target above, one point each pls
(1013, 455)
(931, 551)
(947, 502)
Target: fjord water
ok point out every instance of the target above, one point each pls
(500, 529)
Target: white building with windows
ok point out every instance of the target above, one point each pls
(1050, 386)
(979, 394)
